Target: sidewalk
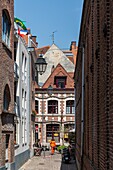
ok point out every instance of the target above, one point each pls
(49, 162)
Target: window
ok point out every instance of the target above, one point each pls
(15, 50)
(7, 147)
(52, 131)
(22, 66)
(7, 140)
(33, 69)
(36, 106)
(67, 133)
(6, 26)
(7, 98)
(15, 90)
(68, 127)
(60, 82)
(23, 99)
(15, 133)
(25, 70)
(70, 109)
(53, 107)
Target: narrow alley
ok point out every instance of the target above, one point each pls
(49, 162)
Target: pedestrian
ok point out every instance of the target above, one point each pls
(70, 149)
(53, 145)
(39, 143)
(37, 148)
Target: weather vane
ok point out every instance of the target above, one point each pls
(53, 37)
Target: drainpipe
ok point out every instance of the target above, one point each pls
(75, 117)
(82, 112)
(29, 94)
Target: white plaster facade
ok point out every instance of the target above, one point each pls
(23, 102)
(22, 96)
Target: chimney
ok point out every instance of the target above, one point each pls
(73, 48)
(34, 43)
(29, 31)
(73, 45)
(34, 39)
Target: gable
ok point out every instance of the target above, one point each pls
(53, 57)
(59, 73)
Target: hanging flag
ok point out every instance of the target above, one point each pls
(22, 32)
(20, 23)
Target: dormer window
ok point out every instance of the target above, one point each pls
(60, 81)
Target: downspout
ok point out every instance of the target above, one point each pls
(29, 95)
(75, 116)
(82, 112)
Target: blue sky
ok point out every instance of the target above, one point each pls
(46, 16)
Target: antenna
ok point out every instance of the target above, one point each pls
(53, 37)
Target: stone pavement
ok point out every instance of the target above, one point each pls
(49, 162)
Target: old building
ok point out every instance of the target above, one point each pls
(24, 57)
(94, 87)
(6, 84)
(54, 98)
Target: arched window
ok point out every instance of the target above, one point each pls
(7, 98)
(52, 107)
(70, 109)
(6, 27)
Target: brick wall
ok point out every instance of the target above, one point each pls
(6, 55)
(96, 37)
(6, 77)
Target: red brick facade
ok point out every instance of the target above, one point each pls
(96, 38)
(59, 71)
(7, 85)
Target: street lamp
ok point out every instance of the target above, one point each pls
(40, 66)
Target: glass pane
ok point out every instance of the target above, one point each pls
(73, 110)
(67, 109)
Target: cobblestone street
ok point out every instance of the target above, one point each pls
(49, 162)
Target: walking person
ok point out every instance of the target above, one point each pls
(37, 148)
(53, 145)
